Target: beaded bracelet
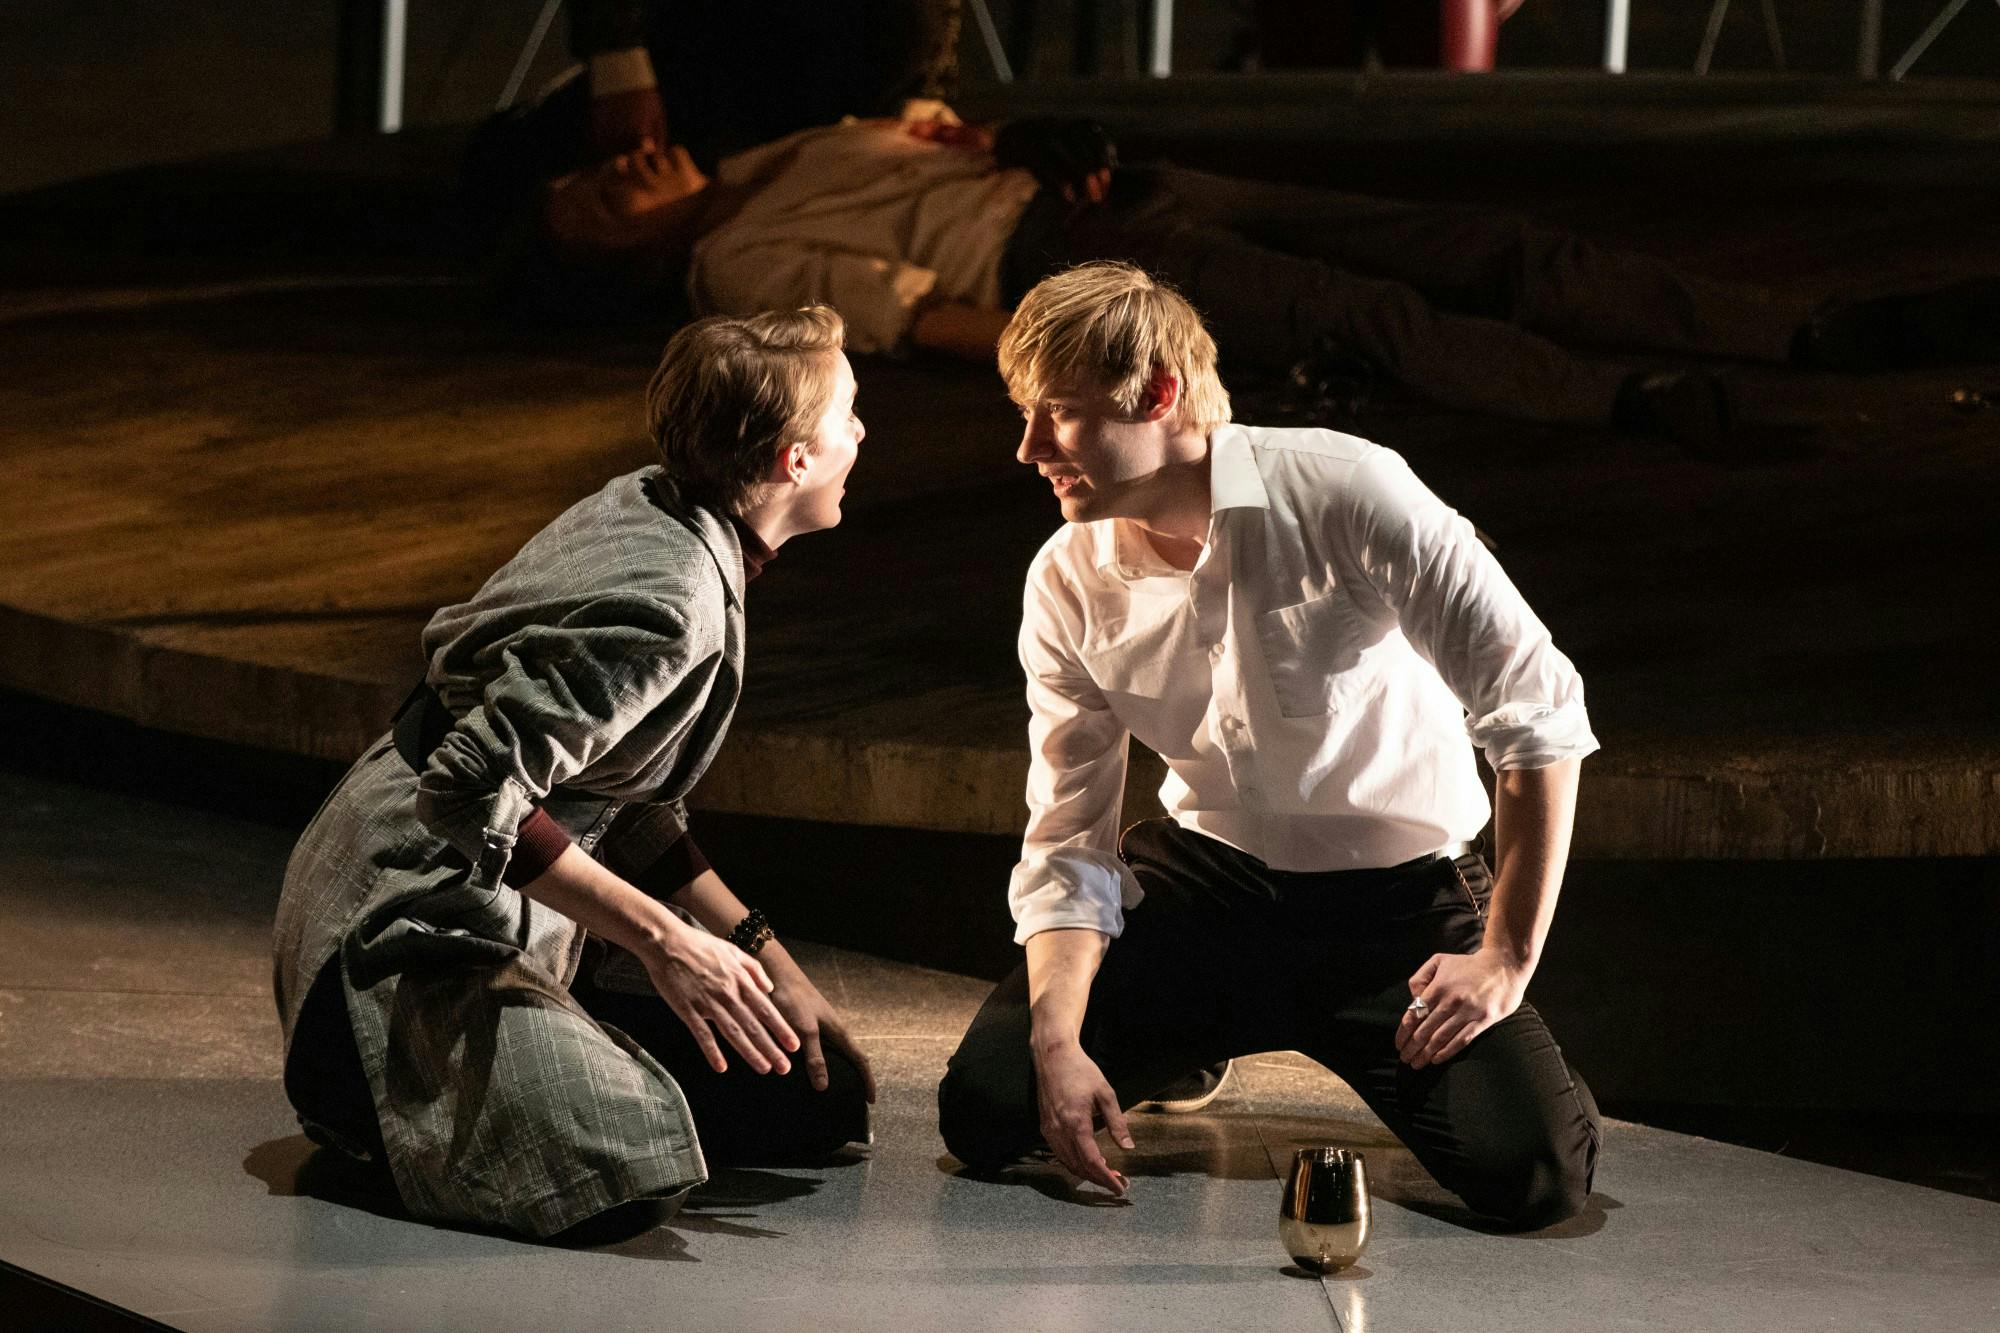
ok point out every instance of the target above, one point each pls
(752, 933)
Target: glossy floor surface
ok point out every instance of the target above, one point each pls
(147, 1157)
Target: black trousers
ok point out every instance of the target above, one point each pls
(1467, 307)
(743, 1118)
(1226, 957)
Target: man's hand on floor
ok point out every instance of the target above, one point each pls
(1074, 1100)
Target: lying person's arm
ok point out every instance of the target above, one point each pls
(958, 329)
(609, 37)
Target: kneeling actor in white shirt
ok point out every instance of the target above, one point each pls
(1314, 643)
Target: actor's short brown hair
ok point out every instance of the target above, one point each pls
(731, 392)
(1110, 326)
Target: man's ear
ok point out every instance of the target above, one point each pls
(789, 467)
(1163, 395)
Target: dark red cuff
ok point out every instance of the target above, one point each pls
(675, 869)
(537, 844)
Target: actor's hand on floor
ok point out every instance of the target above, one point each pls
(816, 1022)
(620, 122)
(1075, 1099)
(1464, 994)
(710, 982)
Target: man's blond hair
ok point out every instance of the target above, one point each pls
(1110, 327)
(730, 393)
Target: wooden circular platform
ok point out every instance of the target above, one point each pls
(232, 504)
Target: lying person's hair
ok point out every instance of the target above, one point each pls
(1110, 326)
(730, 393)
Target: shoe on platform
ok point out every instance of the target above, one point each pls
(1955, 324)
(1693, 408)
(1189, 1093)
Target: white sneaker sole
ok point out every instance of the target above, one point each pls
(1189, 1105)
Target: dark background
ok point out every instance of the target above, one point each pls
(89, 85)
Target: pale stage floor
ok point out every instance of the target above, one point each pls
(149, 1160)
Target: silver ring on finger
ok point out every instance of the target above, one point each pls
(1419, 1007)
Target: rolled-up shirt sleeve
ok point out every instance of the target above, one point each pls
(1069, 875)
(564, 696)
(1523, 698)
(877, 296)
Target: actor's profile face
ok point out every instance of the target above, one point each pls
(836, 444)
(1093, 452)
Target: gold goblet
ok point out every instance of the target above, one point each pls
(1324, 1219)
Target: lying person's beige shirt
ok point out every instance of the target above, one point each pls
(862, 217)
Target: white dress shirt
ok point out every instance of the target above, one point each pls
(864, 218)
(1312, 684)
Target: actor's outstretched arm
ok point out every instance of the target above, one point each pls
(1072, 1091)
(1069, 891)
(1464, 994)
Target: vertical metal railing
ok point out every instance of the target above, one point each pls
(371, 41)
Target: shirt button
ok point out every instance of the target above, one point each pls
(1215, 652)
(1231, 725)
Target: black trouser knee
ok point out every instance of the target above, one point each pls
(324, 1077)
(987, 1109)
(742, 1117)
(984, 1121)
(1535, 1173)
(1530, 1192)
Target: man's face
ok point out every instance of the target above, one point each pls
(835, 445)
(1097, 457)
(627, 202)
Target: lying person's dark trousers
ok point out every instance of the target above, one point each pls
(1226, 957)
(742, 1117)
(1460, 305)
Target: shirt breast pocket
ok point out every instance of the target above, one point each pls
(1317, 654)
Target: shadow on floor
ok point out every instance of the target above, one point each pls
(295, 1167)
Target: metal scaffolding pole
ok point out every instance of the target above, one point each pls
(368, 74)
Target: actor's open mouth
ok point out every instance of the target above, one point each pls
(1064, 483)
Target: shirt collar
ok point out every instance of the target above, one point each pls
(1233, 483)
(1233, 479)
(724, 547)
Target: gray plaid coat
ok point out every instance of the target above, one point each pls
(594, 675)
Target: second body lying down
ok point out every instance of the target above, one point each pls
(920, 238)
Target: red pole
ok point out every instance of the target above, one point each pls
(1470, 34)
